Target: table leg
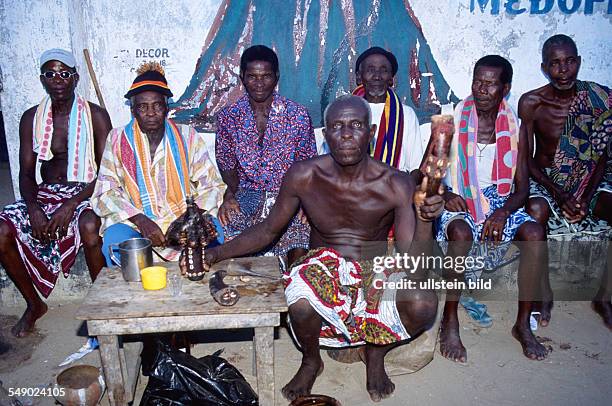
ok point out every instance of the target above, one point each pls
(263, 342)
(109, 355)
(254, 359)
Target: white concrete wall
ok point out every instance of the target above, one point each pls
(114, 31)
(459, 37)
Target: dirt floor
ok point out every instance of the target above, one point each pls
(577, 371)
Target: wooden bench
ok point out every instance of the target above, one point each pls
(114, 307)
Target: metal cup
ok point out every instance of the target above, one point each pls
(134, 255)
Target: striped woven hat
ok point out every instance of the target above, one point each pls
(150, 78)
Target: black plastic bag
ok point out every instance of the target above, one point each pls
(176, 378)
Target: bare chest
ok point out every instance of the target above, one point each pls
(59, 141)
(549, 125)
(357, 211)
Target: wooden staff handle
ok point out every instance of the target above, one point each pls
(92, 75)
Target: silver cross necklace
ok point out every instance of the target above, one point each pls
(481, 150)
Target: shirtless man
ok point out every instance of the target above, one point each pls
(61, 144)
(351, 202)
(570, 191)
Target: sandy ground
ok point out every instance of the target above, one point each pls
(577, 371)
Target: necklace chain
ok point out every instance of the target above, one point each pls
(481, 150)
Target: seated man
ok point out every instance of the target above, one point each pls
(398, 139)
(351, 201)
(61, 142)
(486, 160)
(258, 138)
(571, 121)
(149, 167)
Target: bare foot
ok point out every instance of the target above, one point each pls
(378, 384)
(348, 355)
(545, 309)
(304, 378)
(531, 347)
(25, 325)
(604, 309)
(451, 346)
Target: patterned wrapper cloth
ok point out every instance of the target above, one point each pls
(344, 294)
(255, 206)
(45, 261)
(587, 134)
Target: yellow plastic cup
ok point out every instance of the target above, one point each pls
(153, 277)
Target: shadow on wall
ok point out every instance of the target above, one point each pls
(3, 148)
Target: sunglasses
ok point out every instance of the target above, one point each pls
(64, 74)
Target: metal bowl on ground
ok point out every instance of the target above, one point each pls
(315, 400)
(80, 385)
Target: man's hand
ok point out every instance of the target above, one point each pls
(57, 227)
(494, 225)
(149, 229)
(455, 202)
(428, 208)
(39, 222)
(229, 207)
(577, 218)
(573, 209)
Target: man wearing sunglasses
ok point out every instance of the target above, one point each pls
(61, 144)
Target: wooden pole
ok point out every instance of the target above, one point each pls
(92, 75)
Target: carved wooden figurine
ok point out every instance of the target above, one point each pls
(192, 231)
(438, 149)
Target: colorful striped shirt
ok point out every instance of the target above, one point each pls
(111, 200)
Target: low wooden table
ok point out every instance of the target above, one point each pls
(114, 307)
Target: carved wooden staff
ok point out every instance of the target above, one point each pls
(438, 150)
(94, 80)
